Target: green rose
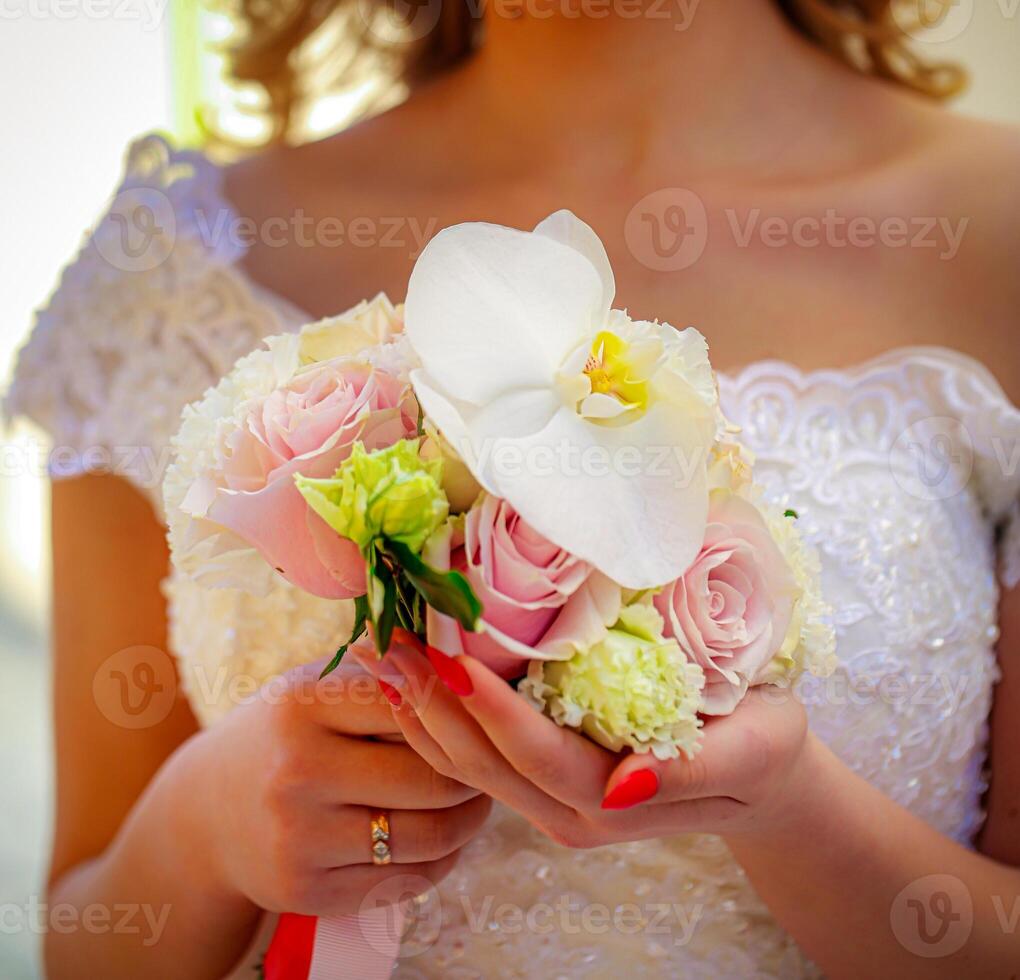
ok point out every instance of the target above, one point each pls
(634, 688)
(390, 494)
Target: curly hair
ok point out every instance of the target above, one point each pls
(289, 52)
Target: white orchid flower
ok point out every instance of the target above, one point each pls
(595, 427)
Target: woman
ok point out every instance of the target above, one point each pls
(830, 833)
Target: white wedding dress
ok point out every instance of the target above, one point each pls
(909, 561)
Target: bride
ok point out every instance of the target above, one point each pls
(849, 250)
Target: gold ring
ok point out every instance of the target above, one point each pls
(380, 837)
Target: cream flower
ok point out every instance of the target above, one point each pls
(594, 427)
(368, 324)
(633, 689)
(205, 551)
(810, 642)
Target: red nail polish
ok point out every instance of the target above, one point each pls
(408, 638)
(451, 672)
(392, 694)
(639, 787)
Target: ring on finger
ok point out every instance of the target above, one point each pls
(380, 824)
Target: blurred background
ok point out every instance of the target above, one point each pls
(79, 80)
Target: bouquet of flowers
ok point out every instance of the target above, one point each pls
(508, 467)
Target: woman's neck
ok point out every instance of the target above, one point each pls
(604, 84)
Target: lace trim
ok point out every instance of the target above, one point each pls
(151, 312)
(948, 386)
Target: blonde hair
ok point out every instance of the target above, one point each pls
(874, 36)
(291, 52)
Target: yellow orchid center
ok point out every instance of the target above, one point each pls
(611, 371)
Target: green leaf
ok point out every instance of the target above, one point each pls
(358, 630)
(791, 513)
(409, 606)
(446, 592)
(385, 618)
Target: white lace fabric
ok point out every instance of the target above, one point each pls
(904, 475)
(127, 340)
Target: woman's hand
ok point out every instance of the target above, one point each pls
(280, 795)
(475, 729)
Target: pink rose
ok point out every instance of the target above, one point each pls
(539, 602)
(731, 609)
(308, 426)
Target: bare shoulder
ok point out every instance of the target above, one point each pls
(981, 161)
(345, 217)
(964, 174)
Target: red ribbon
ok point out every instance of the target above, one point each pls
(289, 956)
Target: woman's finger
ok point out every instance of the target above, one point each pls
(345, 837)
(387, 775)
(428, 835)
(347, 700)
(735, 756)
(417, 736)
(566, 765)
(442, 716)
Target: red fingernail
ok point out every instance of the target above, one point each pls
(407, 637)
(639, 787)
(451, 672)
(392, 694)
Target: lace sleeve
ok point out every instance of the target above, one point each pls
(995, 429)
(992, 423)
(153, 310)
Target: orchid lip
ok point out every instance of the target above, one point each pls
(605, 378)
